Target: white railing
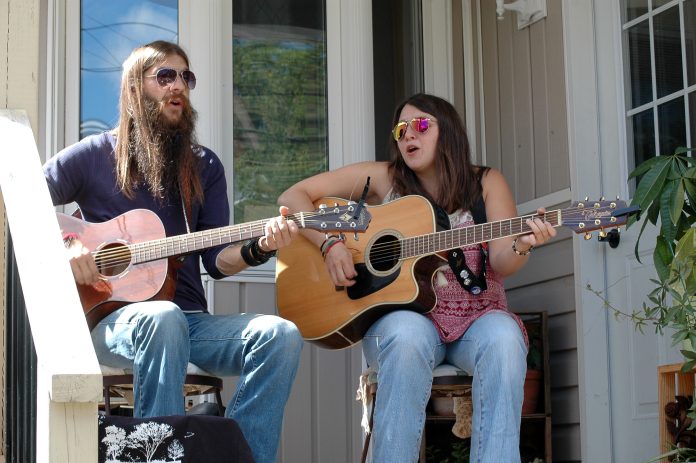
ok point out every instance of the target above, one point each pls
(69, 381)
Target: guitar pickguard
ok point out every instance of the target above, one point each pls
(366, 283)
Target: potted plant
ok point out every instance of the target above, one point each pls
(535, 364)
(666, 195)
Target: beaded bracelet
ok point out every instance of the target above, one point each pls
(521, 253)
(328, 247)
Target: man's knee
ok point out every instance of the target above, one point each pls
(165, 318)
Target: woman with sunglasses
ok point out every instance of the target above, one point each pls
(470, 327)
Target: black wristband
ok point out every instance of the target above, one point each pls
(261, 255)
(245, 252)
(253, 255)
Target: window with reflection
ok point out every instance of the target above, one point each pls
(279, 100)
(660, 73)
(109, 31)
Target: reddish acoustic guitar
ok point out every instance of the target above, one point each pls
(396, 262)
(136, 258)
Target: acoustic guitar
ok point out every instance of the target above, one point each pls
(396, 260)
(137, 261)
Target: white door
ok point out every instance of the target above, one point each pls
(617, 363)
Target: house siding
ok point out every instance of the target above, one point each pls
(526, 137)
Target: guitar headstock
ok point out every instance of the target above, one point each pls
(586, 216)
(350, 218)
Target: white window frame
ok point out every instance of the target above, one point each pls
(206, 37)
(655, 103)
(350, 86)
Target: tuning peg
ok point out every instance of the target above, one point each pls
(588, 236)
(356, 237)
(602, 198)
(602, 234)
(587, 198)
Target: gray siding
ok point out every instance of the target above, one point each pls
(524, 101)
(526, 138)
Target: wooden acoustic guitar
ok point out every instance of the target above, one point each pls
(138, 262)
(396, 260)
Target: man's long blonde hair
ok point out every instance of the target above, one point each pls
(133, 113)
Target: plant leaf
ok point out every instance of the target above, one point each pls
(662, 258)
(682, 150)
(645, 166)
(677, 201)
(650, 185)
(667, 229)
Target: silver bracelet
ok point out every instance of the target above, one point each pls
(520, 253)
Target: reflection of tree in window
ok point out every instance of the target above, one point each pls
(280, 106)
(108, 33)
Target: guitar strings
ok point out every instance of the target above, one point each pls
(116, 256)
(402, 249)
(120, 255)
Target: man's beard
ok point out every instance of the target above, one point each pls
(169, 142)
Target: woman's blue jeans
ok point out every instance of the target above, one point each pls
(157, 340)
(404, 348)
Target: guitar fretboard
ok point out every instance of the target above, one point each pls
(474, 234)
(191, 242)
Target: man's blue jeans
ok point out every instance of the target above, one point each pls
(157, 340)
(404, 348)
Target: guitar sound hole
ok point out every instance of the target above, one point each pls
(384, 253)
(113, 259)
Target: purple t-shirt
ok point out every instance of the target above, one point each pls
(85, 173)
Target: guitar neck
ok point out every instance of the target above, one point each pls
(474, 234)
(196, 241)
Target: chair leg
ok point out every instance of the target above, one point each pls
(368, 435)
(218, 397)
(107, 401)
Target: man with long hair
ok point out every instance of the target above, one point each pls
(151, 161)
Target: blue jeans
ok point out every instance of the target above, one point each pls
(404, 348)
(157, 340)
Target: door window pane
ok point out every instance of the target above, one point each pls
(667, 39)
(280, 100)
(668, 59)
(672, 126)
(643, 128)
(634, 8)
(659, 3)
(109, 31)
(690, 39)
(639, 64)
(692, 116)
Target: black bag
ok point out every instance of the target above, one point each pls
(176, 439)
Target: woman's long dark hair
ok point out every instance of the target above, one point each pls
(460, 184)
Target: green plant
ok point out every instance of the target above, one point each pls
(458, 453)
(534, 356)
(666, 193)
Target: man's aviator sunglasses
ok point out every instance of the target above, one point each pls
(418, 124)
(167, 76)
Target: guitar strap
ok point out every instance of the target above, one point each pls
(473, 283)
